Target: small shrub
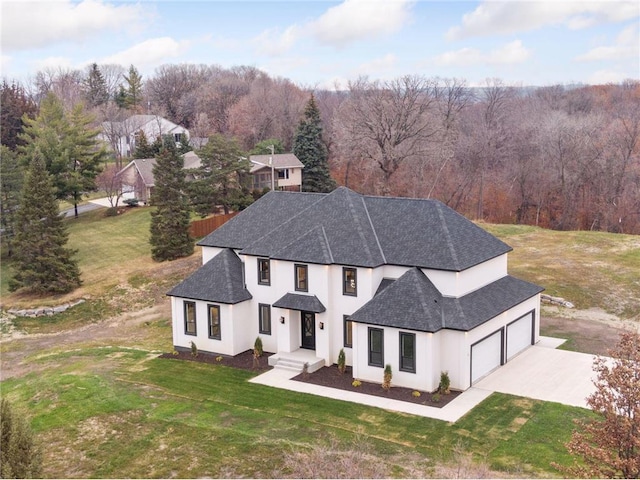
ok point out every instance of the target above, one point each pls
(305, 370)
(257, 347)
(194, 349)
(445, 383)
(219, 358)
(111, 212)
(356, 383)
(435, 398)
(415, 393)
(131, 202)
(386, 381)
(175, 352)
(342, 361)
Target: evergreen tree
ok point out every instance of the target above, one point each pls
(131, 96)
(144, 149)
(95, 87)
(311, 151)
(42, 263)
(170, 238)
(264, 147)
(223, 179)
(19, 456)
(69, 146)
(10, 190)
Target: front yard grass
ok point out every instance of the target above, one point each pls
(121, 412)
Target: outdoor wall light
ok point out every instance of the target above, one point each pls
(321, 325)
(282, 320)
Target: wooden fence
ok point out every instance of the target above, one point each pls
(200, 228)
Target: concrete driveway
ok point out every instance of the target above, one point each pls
(545, 373)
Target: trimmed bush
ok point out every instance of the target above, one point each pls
(257, 347)
(342, 361)
(445, 383)
(386, 382)
(194, 349)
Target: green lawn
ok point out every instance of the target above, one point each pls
(114, 412)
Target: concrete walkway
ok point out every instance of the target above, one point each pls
(540, 372)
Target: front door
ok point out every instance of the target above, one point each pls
(308, 330)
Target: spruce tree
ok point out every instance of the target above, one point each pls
(42, 262)
(131, 96)
(311, 151)
(95, 87)
(19, 455)
(11, 178)
(221, 178)
(170, 238)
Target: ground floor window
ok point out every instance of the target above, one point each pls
(408, 352)
(264, 314)
(376, 347)
(214, 322)
(190, 318)
(348, 331)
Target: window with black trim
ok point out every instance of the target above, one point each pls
(264, 314)
(408, 352)
(214, 322)
(348, 331)
(190, 318)
(264, 271)
(283, 174)
(349, 281)
(302, 278)
(376, 347)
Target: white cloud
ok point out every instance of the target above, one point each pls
(355, 20)
(151, 52)
(602, 77)
(378, 65)
(513, 52)
(348, 22)
(31, 24)
(508, 17)
(54, 63)
(626, 46)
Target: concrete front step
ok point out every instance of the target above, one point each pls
(291, 363)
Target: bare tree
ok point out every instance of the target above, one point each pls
(110, 182)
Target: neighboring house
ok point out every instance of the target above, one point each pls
(137, 177)
(286, 167)
(122, 136)
(399, 281)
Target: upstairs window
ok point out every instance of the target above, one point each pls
(301, 278)
(264, 271)
(283, 174)
(349, 281)
(214, 322)
(190, 318)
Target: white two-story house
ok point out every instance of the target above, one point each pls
(399, 281)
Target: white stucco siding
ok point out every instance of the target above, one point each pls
(231, 341)
(422, 379)
(458, 284)
(209, 252)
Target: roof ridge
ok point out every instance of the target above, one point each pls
(373, 228)
(227, 270)
(356, 219)
(326, 241)
(445, 229)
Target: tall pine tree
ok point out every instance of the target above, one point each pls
(42, 263)
(130, 97)
(311, 151)
(223, 179)
(11, 178)
(170, 238)
(95, 87)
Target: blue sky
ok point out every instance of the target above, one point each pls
(327, 43)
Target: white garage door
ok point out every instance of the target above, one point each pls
(486, 356)
(519, 335)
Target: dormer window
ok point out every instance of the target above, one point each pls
(264, 271)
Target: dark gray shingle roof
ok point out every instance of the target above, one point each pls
(357, 230)
(296, 301)
(219, 280)
(412, 302)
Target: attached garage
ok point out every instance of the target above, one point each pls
(520, 334)
(486, 355)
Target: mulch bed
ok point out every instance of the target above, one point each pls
(331, 377)
(243, 360)
(326, 376)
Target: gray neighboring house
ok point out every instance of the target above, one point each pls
(286, 169)
(399, 281)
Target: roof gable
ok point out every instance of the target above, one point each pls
(220, 280)
(280, 161)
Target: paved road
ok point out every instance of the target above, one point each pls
(86, 207)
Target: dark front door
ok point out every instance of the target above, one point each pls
(308, 330)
